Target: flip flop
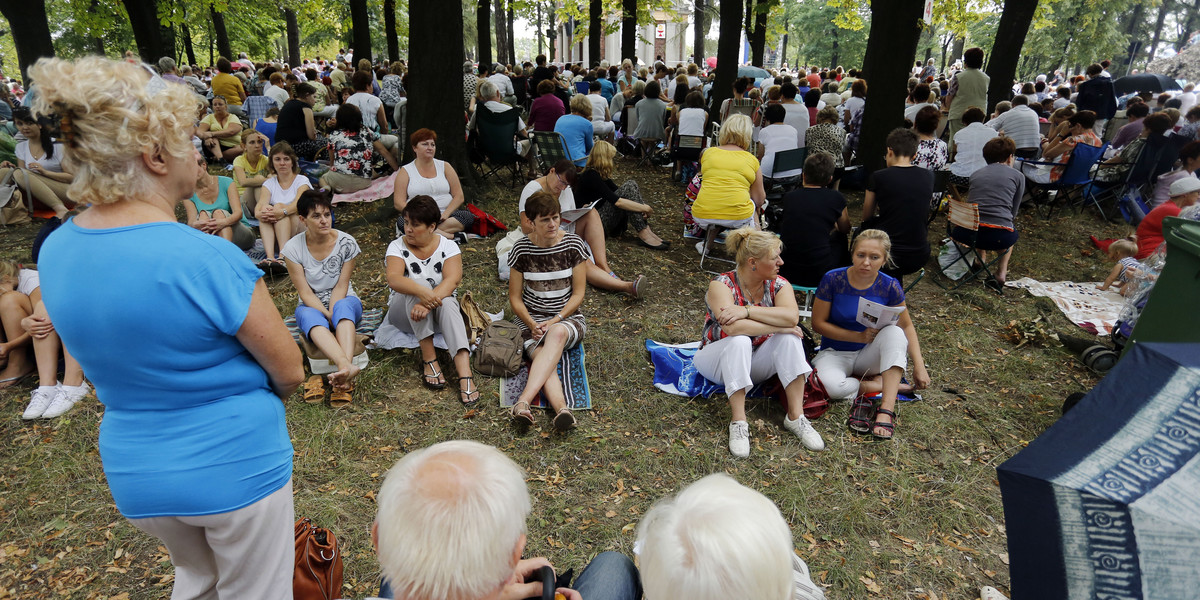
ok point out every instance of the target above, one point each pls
(11, 381)
(465, 395)
(437, 382)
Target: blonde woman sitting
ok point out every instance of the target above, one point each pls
(618, 207)
(732, 194)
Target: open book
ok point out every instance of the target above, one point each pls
(876, 315)
(570, 216)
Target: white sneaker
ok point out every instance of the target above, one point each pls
(804, 430)
(66, 398)
(700, 248)
(42, 397)
(739, 438)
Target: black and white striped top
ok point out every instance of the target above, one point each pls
(547, 273)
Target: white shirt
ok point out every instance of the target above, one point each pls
(496, 107)
(27, 281)
(910, 113)
(322, 275)
(691, 121)
(969, 143)
(777, 138)
(429, 269)
(52, 164)
(1021, 124)
(599, 107)
(796, 115)
(288, 196)
(436, 187)
(369, 106)
(566, 199)
(502, 83)
(1188, 100)
(278, 94)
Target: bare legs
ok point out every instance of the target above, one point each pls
(340, 349)
(543, 371)
(15, 306)
(591, 229)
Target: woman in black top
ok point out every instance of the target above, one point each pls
(901, 194)
(814, 225)
(617, 206)
(296, 125)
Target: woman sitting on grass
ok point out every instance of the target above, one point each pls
(39, 170)
(216, 209)
(428, 176)
(616, 206)
(855, 360)
(423, 271)
(276, 212)
(220, 130)
(353, 148)
(751, 333)
(24, 320)
(251, 169)
(545, 289)
(320, 261)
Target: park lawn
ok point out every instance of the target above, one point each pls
(919, 517)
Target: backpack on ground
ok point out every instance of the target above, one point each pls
(499, 351)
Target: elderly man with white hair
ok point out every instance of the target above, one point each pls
(503, 82)
(717, 540)
(451, 526)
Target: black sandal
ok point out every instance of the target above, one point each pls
(861, 413)
(437, 383)
(890, 427)
(465, 395)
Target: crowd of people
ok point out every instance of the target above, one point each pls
(170, 386)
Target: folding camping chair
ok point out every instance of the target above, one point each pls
(1136, 177)
(495, 142)
(1075, 175)
(551, 148)
(966, 216)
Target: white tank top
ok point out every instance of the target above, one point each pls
(437, 187)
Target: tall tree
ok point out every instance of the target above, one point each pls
(595, 30)
(552, 30)
(1158, 26)
(360, 26)
(700, 22)
(483, 26)
(147, 31)
(512, 38)
(218, 21)
(501, 31)
(389, 30)
(435, 39)
(540, 31)
(293, 36)
(895, 29)
(728, 47)
(187, 42)
(1010, 38)
(629, 29)
(758, 39)
(1189, 21)
(30, 30)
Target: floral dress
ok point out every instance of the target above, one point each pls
(931, 154)
(353, 151)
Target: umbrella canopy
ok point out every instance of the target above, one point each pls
(1104, 504)
(711, 62)
(752, 72)
(1144, 82)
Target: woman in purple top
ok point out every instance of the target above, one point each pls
(546, 108)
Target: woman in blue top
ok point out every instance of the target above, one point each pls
(178, 334)
(856, 360)
(577, 130)
(216, 208)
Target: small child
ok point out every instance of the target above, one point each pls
(1127, 267)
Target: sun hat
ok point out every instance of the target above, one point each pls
(1185, 185)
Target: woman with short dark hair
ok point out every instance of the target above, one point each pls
(997, 189)
(931, 151)
(353, 149)
(297, 125)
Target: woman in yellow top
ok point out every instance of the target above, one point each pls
(251, 169)
(220, 131)
(731, 192)
(226, 84)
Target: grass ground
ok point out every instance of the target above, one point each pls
(919, 517)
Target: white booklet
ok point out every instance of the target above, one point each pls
(570, 216)
(876, 315)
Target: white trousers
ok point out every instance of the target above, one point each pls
(246, 553)
(839, 369)
(733, 361)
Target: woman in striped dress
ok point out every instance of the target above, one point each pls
(546, 287)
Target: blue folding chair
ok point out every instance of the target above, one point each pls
(1075, 175)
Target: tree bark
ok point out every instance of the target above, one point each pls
(187, 42)
(758, 41)
(143, 19)
(833, 36)
(361, 29)
(30, 28)
(552, 25)
(1188, 23)
(389, 30)
(1010, 37)
(629, 29)
(538, 10)
(595, 30)
(436, 40)
(1135, 42)
(293, 37)
(512, 38)
(483, 27)
(223, 47)
(700, 16)
(728, 47)
(895, 29)
(1158, 25)
(501, 30)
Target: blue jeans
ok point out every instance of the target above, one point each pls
(610, 576)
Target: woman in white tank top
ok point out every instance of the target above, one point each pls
(428, 176)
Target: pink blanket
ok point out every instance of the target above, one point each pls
(380, 188)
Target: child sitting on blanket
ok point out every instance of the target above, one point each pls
(548, 278)
(1127, 267)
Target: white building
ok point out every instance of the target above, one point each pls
(669, 37)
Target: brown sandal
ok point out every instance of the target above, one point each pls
(522, 418)
(564, 420)
(314, 389)
(341, 398)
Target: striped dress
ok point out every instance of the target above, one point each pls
(547, 275)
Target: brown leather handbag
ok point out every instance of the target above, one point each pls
(318, 574)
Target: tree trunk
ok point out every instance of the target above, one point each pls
(361, 29)
(1010, 38)
(293, 37)
(389, 30)
(223, 47)
(30, 28)
(833, 35)
(758, 41)
(895, 29)
(512, 38)
(483, 27)
(700, 16)
(748, 23)
(1188, 22)
(187, 42)
(538, 9)
(436, 40)
(1158, 25)
(1135, 43)
(629, 29)
(945, 51)
(728, 48)
(595, 30)
(552, 25)
(783, 46)
(501, 30)
(143, 19)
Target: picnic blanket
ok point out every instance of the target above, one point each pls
(1083, 303)
(380, 188)
(367, 326)
(389, 337)
(675, 374)
(571, 372)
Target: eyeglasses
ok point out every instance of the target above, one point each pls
(562, 182)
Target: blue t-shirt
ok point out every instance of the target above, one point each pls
(843, 298)
(151, 311)
(578, 132)
(267, 129)
(607, 89)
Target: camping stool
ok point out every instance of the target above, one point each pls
(320, 364)
(710, 236)
(810, 294)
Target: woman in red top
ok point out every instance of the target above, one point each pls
(1184, 193)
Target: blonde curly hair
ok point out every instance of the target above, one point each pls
(113, 112)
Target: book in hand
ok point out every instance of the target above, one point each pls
(570, 216)
(876, 315)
